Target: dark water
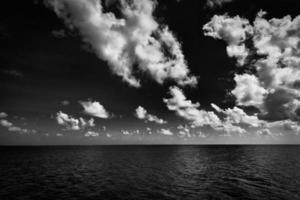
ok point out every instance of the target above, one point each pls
(150, 172)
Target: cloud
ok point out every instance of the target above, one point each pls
(216, 3)
(141, 113)
(12, 128)
(197, 117)
(3, 115)
(236, 115)
(94, 109)
(5, 123)
(67, 121)
(125, 132)
(286, 125)
(264, 132)
(165, 132)
(72, 123)
(134, 40)
(234, 31)
(188, 110)
(91, 134)
(88, 123)
(274, 87)
(65, 103)
(184, 131)
(248, 90)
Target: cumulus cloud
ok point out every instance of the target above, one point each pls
(274, 87)
(236, 115)
(234, 31)
(248, 90)
(94, 109)
(264, 132)
(188, 110)
(3, 115)
(184, 131)
(125, 132)
(5, 123)
(135, 40)
(71, 123)
(91, 134)
(197, 117)
(165, 132)
(141, 113)
(12, 128)
(88, 123)
(286, 125)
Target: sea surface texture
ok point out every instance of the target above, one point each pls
(150, 172)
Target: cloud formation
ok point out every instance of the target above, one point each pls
(141, 113)
(232, 30)
(236, 115)
(134, 40)
(274, 87)
(71, 123)
(12, 128)
(94, 109)
(91, 134)
(165, 132)
(197, 117)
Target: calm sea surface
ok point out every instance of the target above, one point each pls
(150, 172)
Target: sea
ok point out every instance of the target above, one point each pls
(148, 172)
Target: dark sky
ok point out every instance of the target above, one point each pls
(43, 63)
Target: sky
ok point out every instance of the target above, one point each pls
(93, 72)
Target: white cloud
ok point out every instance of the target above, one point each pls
(184, 131)
(274, 88)
(3, 115)
(5, 123)
(197, 117)
(91, 134)
(67, 121)
(264, 132)
(12, 128)
(141, 113)
(165, 132)
(94, 109)
(286, 125)
(87, 123)
(248, 90)
(236, 115)
(125, 132)
(135, 39)
(234, 31)
(188, 110)
(71, 123)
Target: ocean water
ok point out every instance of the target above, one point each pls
(150, 172)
